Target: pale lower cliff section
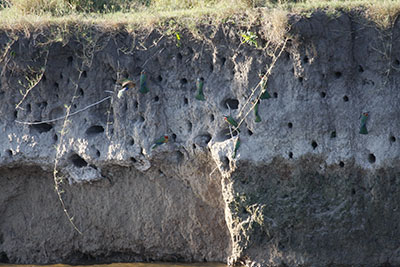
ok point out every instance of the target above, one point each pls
(304, 189)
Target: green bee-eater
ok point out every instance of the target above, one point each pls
(199, 87)
(264, 94)
(258, 118)
(363, 128)
(160, 141)
(237, 145)
(232, 122)
(126, 85)
(143, 83)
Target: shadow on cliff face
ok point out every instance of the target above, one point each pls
(304, 211)
(130, 216)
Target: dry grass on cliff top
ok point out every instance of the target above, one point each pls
(111, 14)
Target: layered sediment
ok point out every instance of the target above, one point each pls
(305, 187)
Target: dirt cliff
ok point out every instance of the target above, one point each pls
(305, 187)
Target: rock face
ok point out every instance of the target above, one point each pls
(306, 188)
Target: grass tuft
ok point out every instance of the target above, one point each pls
(23, 14)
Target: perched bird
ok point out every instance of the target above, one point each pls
(160, 141)
(143, 83)
(232, 122)
(199, 87)
(258, 118)
(126, 85)
(363, 128)
(237, 145)
(264, 94)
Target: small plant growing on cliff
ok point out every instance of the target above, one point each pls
(250, 38)
(178, 39)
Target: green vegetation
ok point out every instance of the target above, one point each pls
(148, 13)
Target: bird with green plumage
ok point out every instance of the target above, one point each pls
(143, 83)
(232, 121)
(264, 92)
(126, 85)
(160, 141)
(255, 104)
(199, 87)
(237, 145)
(363, 127)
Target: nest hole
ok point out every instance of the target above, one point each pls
(333, 134)
(174, 137)
(396, 62)
(77, 161)
(322, 94)
(98, 154)
(338, 74)
(211, 67)
(300, 79)
(95, 129)
(345, 98)
(179, 56)
(42, 127)
(341, 164)
(15, 114)
(185, 101)
(42, 105)
(371, 158)
(314, 144)
(392, 139)
(249, 132)
(28, 108)
(156, 98)
(233, 103)
(136, 104)
(55, 138)
(189, 125)
(203, 140)
(305, 59)
(223, 60)
(225, 163)
(159, 78)
(133, 159)
(44, 77)
(70, 59)
(290, 125)
(275, 94)
(353, 191)
(84, 74)
(212, 118)
(290, 155)
(360, 68)
(61, 76)
(131, 142)
(287, 55)
(141, 119)
(4, 258)
(184, 81)
(81, 93)
(9, 152)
